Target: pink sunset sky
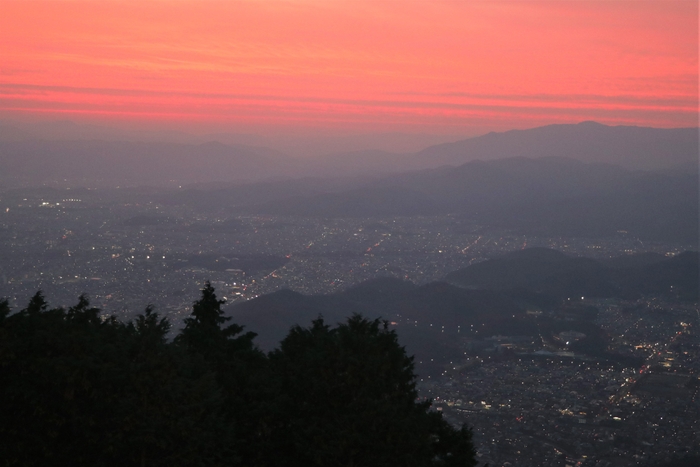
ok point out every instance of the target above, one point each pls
(356, 66)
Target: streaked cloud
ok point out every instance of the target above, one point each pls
(371, 65)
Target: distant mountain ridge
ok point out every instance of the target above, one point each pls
(25, 159)
(627, 146)
(538, 196)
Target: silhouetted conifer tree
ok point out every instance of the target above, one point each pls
(80, 389)
(346, 396)
(237, 363)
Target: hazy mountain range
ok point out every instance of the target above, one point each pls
(549, 180)
(546, 196)
(627, 146)
(88, 160)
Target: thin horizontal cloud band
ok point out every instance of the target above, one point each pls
(284, 114)
(15, 90)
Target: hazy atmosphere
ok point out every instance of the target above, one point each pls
(378, 233)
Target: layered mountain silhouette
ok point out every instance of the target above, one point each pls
(482, 300)
(24, 159)
(549, 196)
(534, 192)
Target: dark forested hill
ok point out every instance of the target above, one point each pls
(423, 313)
(556, 274)
(482, 300)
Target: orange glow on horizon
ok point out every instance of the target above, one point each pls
(432, 66)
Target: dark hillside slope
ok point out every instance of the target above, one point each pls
(678, 276)
(560, 276)
(540, 270)
(424, 315)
